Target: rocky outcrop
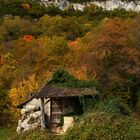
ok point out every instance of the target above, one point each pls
(105, 4)
(30, 116)
(115, 4)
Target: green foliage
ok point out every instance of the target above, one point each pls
(53, 10)
(14, 27)
(92, 12)
(70, 28)
(11, 7)
(71, 12)
(6, 132)
(95, 13)
(89, 103)
(122, 13)
(8, 69)
(16, 7)
(103, 126)
(63, 78)
(57, 46)
(113, 106)
(4, 101)
(36, 135)
(110, 105)
(138, 103)
(34, 9)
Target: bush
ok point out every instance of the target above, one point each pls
(89, 103)
(113, 106)
(103, 126)
(36, 135)
(138, 104)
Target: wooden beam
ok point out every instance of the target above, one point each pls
(43, 126)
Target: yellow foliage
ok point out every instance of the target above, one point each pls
(47, 75)
(26, 6)
(80, 73)
(20, 93)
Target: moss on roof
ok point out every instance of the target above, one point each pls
(64, 79)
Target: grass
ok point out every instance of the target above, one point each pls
(36, 135)
(5, 133)
(104, 126)
(95, 125)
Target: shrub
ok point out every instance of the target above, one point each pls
(113, 106)
(89, 103)
(36, 135)
(138, 104)
(103, 126)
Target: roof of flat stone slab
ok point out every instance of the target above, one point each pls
(50, 91)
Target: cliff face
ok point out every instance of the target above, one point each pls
(107, 4)
(114, 4)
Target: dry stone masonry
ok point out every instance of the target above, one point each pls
(30, 116)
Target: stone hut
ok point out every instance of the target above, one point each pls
(53, 107)
(57, 104)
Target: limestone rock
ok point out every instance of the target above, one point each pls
(107, 5)
(30, 117)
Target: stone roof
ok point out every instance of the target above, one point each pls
(50, 91)
(53, 91)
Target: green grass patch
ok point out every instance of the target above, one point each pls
(104, 126)
(6, 133)
(36, 135)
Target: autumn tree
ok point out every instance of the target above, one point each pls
(69, 27)
(134, 48)
(4, 101)
(7, 74)
(20, 93)
(14, 27)
(8, 69)
(56, 48)
(113, 60)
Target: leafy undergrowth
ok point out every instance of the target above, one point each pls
(36, 135)
(104, 126)
(92, 126)
(5, 133)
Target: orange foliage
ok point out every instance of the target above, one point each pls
(28, 38)
(80, 73)
(112, 34)
(74, 43)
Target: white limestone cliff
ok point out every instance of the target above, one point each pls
(114, 4)
(107, 5)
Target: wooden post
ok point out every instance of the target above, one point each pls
(42, 114)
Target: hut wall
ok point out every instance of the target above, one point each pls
(33, 102)
(47, 103)
(56, 111)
